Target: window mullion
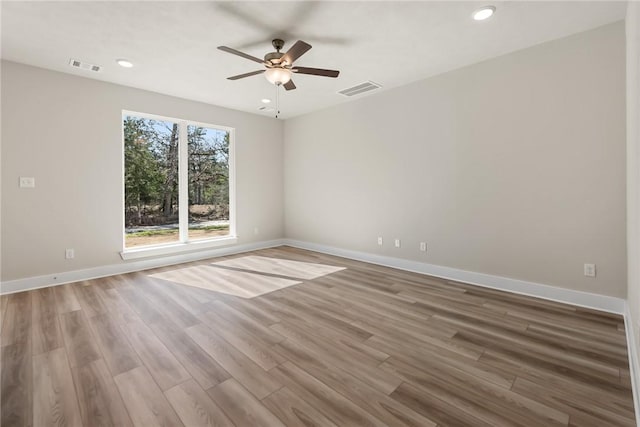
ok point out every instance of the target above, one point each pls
(183, 181)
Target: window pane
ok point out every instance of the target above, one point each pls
(208, 182)
(151, 181)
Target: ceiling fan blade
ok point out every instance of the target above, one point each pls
(316, 71)
(242, 76)
(244, 55)
(296, 51)
(289, 85)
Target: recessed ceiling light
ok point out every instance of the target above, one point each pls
(484, 13)
(124, 63)
(266, 100)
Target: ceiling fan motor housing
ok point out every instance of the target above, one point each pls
(273, 57)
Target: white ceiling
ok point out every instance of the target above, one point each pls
(173, 44)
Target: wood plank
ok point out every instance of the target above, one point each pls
(17, 321)
(351, 384)
(293, 411)
(445, 410)
(563, 365)
(99, 400)
(341, 410)
(250, 345)
(116, 350)
(45, 329)
(4, 302)
(344, 358)
(160, 362)
(195, 407)
(613, 396)
(118, 308)
(162, 302)
(428, 341)
(263, 317)
(242, 320)
(79, 342)
(436, 357)
(190, 301)
(89, 299)
(571, 404)
(241, 406)
(16, 385)
(146, 405)
(140, 304)
(54, 401)
(313, 315)
(202, 367)
(506, 404)
(252, 376)
(66, 299)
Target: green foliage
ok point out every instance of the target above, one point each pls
(208, 167)
(143, 178)
(151, 171)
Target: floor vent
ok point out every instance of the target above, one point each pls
(84, 66)
(361, 88)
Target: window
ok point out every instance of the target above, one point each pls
(178, 182)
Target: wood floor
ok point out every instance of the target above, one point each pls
(358, 346)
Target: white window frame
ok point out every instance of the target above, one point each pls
(184, 244)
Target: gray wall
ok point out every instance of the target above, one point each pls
(512, 167)
(66, 132)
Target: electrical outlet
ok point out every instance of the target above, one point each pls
(423, 246)
(590, 270)
(69, 254)
(256, 231)
(380, 241)
(397, 243)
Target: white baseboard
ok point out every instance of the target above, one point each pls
(578, 298)
(538, 290)
(19, 285)
(634, 371)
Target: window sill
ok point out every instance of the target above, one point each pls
(177, 248)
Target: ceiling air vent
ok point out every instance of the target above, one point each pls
(361, 88)
(84, 66)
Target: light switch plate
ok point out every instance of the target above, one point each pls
(27, 182)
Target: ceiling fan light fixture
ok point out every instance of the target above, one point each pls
(278, 75)
(484, 13)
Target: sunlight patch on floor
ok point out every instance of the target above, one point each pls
(230, 282)
(280, 267)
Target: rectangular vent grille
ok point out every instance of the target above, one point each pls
(361, 88)
(84, 66)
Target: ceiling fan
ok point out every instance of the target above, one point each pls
(279, 66)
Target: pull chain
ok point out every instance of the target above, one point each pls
(277, 101)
